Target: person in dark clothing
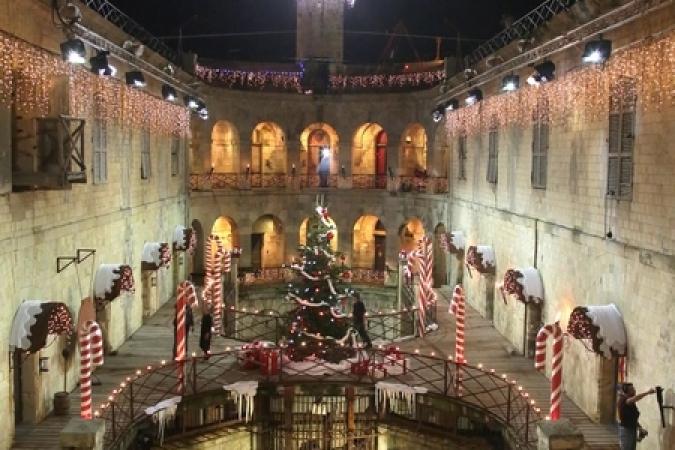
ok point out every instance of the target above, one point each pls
(358, 320)
(205, 333)
(189, 323)
(628, 416)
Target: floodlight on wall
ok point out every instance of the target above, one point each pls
(510, 83)
(169, 93)
(135, 78)
(202, 110)
(543, 73)
(474, 96)
(451, 105)
(100, 64)
(437, 114)
(597, 51)
(73, 51)
(191, 102)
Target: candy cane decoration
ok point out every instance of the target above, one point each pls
(556, 363)
(186, 298)
(426, 251)
(458, 308)
(91, 355)
(214, 274)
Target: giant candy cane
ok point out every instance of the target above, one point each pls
(91, 355)
(556, 364)
(187, 297)
(214, 275)
(458, 308)
(426, 263)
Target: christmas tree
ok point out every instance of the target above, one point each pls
(319, 325)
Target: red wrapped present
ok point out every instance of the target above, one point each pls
(360, 367)
(377, 370)
(393, 353)
(250, 356)
(269, 362)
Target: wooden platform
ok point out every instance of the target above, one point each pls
(153, 342)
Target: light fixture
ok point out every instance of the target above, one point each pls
(474, 96)
(543, 73)
(452, 105)
(597, 51)
(44, 364)
(135, 78)
(73, 51)
(100, 64)
(169, 93)
(191, 102)
(201, 110)
(510, 83)
(437, 114)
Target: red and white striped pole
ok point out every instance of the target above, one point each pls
(555, 331)
(186, 298)
(214, 279)
(426, 267)
(91, 355)
(458, 308)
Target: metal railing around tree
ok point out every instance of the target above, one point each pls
(500, 399)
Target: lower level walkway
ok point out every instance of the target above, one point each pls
(153, 343)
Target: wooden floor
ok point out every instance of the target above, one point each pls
(153, 342)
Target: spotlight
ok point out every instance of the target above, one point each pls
(475, 95)
(452, 105)
(169, 93)
(135, 78)
(510, 83)
(437, 114)
(73, 51)
(597, 51)
(542, 73)
(100, 64)
(191, 102)
(201, 110)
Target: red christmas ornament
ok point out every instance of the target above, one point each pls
(329, 236)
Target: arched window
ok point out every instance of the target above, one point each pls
(369, 243)
(369, 156)
(225, 148)
(413, 155)
(268, 152)
(267, 243)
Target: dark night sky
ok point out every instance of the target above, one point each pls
(475, 19)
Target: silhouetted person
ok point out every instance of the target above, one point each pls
(629, 414)
(358, 320)
(205, 332)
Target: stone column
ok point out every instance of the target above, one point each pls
(80, 434)
(293, 160)
(558, 435)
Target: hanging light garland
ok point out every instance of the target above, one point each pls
(582, 95)
(28, 75)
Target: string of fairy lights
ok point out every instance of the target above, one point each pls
(581, 95)
(28, 76)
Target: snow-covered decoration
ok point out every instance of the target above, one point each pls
(454, 242)
(35, 320)
(184, 239)
(525, 284)
(155, 255)
(603, 325)
(244, 393)
(388, 392)
(314, 366)
(481, 258)
(162, 414)
(111, 280)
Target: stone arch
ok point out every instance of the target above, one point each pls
(224, 147)
(268, 149)
(369, 243)
(267, 242)
(302, 237)
(410, 234)
(369, 151)
(313, 140)
(226, 229)
(413, 154)
(440, 270)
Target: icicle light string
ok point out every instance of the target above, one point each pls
(582, 95)
(28, 75)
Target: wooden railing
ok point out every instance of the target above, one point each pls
(498, 398)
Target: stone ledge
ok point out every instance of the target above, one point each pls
(80, 434)
(559, 435)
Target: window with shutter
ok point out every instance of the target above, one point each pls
(621, 140)
(540, 143)
(100, 151)
(145, 155)
(175, 156)
(493, 160)
(461, 156)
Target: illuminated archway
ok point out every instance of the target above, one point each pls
(302, 238)
(370, 243)
(224, 147)
(413, 155)
(410, 234)
(267, 242)
(440, 271)
(268, 149)
(369, 151)
(320, 149)
(226, 229)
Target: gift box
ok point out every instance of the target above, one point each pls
(377, 370)
(269, 362)
(396, 365)
(250, 356)
(360, 367)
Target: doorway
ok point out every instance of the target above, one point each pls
(17, 360)
(380, 253)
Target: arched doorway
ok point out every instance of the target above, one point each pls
(302, 238)
(440, 271)
(224, 147)
(267, 243)
(369, 155)
(197, 270)
(413, 156)
(319, 155)
(226, 229)
(410, 234)
(370, 244)
(268, 153)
